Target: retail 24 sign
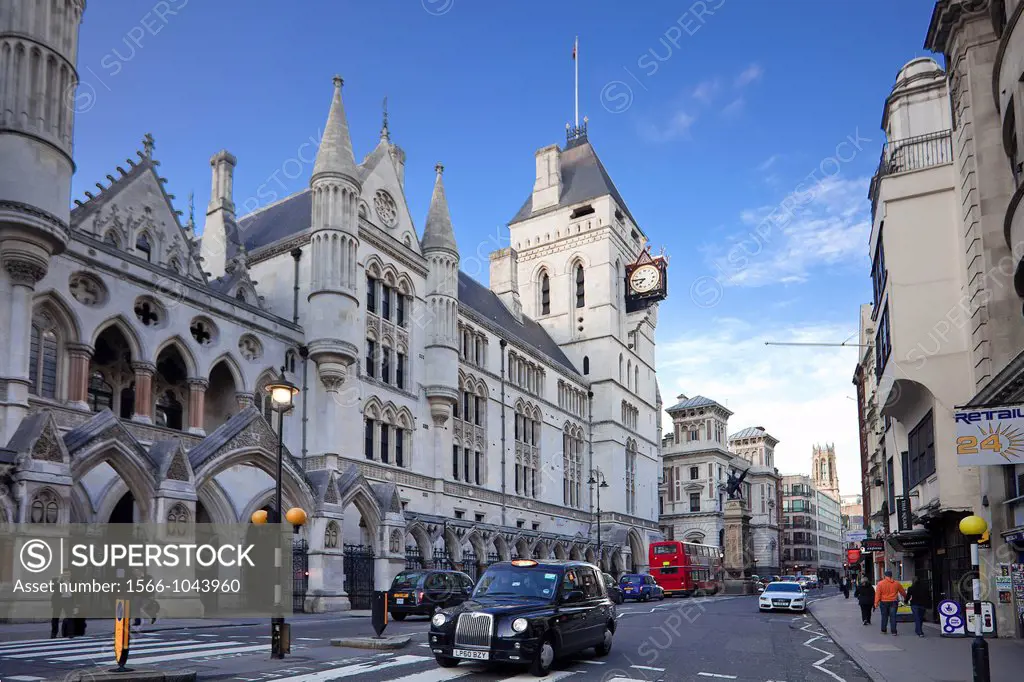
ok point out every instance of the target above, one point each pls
(987, 436)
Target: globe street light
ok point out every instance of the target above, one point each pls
(604, 484)
(282, 397)
(973, 527)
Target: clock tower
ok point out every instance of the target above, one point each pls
(585, 274)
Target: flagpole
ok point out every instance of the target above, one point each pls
(576, 88)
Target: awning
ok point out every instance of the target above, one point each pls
(911, 541)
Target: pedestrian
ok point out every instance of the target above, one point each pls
(887, 598)
(60, 600)
(920, 598)
(844, 585)
(865, 596)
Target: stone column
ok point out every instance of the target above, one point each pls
(143, 410)
(738, 550)
(196, 405)
(326, 588)
(79, 355)
(21, 275)
(244, 400)
(390, 560)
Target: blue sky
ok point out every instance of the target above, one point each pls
(707, 125)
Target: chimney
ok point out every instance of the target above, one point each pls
(547, 189)
(505, 279)
(220, 214)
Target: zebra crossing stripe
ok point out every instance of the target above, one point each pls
(45, 652)
(166, 646)
(251, 649)
(360, 668)
(21, 643)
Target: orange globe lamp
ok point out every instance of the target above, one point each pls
(259, 516)
(295, 516)
(973, 525)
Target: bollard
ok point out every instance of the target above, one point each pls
(379, 612)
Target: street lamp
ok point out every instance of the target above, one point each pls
(282, 398)
(973, 527)
(604, 484)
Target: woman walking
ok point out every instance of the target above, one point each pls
(865, 595)
(920, 599)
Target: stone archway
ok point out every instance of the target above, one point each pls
(560, 551)
(501, 548)
(637, 551)
(122, 462)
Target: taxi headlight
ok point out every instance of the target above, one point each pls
(438, 620)
(519, 625)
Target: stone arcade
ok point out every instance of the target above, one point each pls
(440, 422)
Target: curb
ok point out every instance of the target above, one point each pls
(856, 657)
(107, 675)
(382, 644)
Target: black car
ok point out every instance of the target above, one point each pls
(527, 612)
(422, 592)
(613, 589)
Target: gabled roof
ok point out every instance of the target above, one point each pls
(274, 222)
(584, 178)
(696, 401)
(486, 303)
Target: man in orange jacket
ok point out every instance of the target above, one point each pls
(887, 595)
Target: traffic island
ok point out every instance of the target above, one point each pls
(128, 675)
(379, 643)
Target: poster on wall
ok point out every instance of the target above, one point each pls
(990, 436)
(1017, 581)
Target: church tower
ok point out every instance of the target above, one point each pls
(334, 324)
(38, 101)
(823, 469)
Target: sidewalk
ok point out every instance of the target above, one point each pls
(909, 658)
(104, 626)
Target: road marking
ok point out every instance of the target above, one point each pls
(356, 669)
(647, 667)
(724, 677)
(589, 662)
(308, 639)
(201, 654)
(57, 648)
(828, 656)
(24, 678)
(159, 648)
(13, 644)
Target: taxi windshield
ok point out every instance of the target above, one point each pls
(513, 582)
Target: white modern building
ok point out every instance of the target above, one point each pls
(439, 421)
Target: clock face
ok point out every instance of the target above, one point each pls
(645, 278)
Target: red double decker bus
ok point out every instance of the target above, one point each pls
(686, 568)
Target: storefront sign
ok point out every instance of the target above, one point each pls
(990, 436)
(873, 545)
(903, 516)
(951, 619)
(852, 556)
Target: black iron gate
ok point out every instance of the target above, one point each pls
(359, 575)
(493, 558)
(470, 566)
(300, 573)
(413, 558)
(442, 561)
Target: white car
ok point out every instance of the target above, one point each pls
(783, 596)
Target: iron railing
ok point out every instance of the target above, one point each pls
(911, 154)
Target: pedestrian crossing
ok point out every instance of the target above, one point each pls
(145, 649)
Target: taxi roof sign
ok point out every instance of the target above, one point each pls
(524, 562)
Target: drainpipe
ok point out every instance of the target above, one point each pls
(297, 255)
(503, 343)
(590, 467)
(304, 354)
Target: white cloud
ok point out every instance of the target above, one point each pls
(734, 107)
(749, 75)
(706, 91)
(675, 128)
(768, 163)
(826, 225)
(800, 394)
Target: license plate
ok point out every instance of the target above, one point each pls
(471, 655)
(399, 601)
(629, 589)
(781, 602)
(400, 594)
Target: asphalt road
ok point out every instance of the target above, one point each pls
(720, 638)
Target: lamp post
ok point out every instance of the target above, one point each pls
(973, 527)
(603, 484)
(282, 398)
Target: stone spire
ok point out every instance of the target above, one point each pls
(335, 155)
(438, 232)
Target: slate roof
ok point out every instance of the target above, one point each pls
(751, 432)
(485, 302)
(8, 456)
(272, 223)
(584, 178)
(696, 401)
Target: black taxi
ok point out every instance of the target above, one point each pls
(527, 612)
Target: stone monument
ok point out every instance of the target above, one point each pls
(739, 550)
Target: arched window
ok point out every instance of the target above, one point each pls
(169, 411)
(45, 508)
(42, 369)
(629, 374)
(630, 477)
(240, 295)
(112, 239)
(545, 294)
(290, 360)
(586, 364)
(143, 246)
(101, 394)
(580, 294)
(622, 380)
(636, 379)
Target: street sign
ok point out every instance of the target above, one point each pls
(853, 555)
(122, 632)
(989, 436)
(903, 516)
(951, 619)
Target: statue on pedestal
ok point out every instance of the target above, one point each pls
(733, 484)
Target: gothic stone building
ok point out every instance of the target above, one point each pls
(440, 422)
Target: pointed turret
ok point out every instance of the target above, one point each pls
(335, 155)
(438, 232)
